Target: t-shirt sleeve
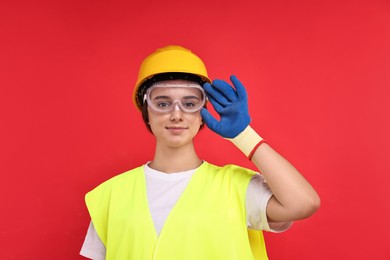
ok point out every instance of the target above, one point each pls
(257, 197)
(93, 247)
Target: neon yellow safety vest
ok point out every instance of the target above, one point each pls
(207, 222)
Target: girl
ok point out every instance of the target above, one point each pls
(178, 206)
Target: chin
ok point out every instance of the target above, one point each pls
(178, 141)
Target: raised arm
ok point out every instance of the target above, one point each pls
(294, 198)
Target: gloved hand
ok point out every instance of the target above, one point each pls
(231, 104)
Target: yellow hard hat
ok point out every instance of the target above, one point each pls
(169, 60)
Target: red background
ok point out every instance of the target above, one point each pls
(318, 80)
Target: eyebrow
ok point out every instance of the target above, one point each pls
(168, 97)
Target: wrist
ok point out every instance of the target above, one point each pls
(247, 141)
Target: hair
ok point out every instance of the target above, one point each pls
(162, 77)
(145, 116)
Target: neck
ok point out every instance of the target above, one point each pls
(172, 159)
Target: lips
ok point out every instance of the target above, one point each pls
(176, 127)
(176, 130)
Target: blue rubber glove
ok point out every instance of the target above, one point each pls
(231, 104)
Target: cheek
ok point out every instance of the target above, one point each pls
(200, 120)
(152, 120)
(197, 120)
(158, 120)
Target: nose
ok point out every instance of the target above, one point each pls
(176, 113)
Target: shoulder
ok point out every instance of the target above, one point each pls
(231, 170)
(119, 180)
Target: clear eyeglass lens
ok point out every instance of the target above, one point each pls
(190, 98)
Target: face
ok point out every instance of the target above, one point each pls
(174, 111)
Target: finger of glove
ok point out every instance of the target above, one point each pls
(226, 89)
(218, 107)
(218, 95)
(241, 91)
(210, 121)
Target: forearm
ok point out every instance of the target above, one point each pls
(294, 197)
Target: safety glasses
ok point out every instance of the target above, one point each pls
(164, 97)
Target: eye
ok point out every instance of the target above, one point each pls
(163, 104)
(189, 104)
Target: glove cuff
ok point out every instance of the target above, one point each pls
(247, 141)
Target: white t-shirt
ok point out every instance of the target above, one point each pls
(163, 191)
